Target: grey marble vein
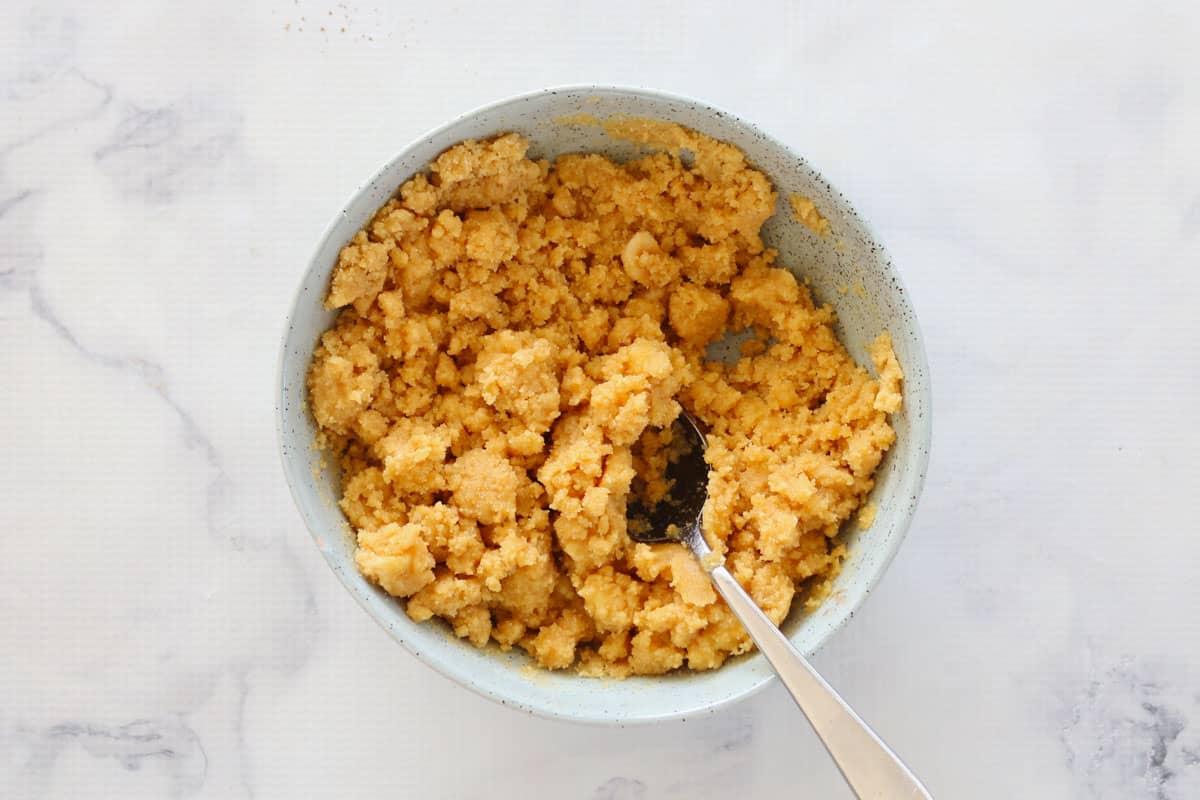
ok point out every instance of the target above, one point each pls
(245, 771)
(25, 261)
(165, 746)
(621, 789)
(1130, 734)
(163, 152)
(19, 252)
(152, 375)
(102, 97)
(152, 157)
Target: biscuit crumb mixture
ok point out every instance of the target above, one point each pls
(516, 338)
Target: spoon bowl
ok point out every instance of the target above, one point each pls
(687, 473)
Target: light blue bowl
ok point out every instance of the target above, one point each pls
(850, 258)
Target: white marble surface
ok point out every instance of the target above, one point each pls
(168, 629)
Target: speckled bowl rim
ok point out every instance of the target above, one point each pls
(919, 459)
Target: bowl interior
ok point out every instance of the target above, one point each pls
(846, 268)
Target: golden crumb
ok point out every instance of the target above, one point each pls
(582, 118)
(515, 339)
(866, 515)
(805, 211)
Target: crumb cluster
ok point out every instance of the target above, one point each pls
(516, 338)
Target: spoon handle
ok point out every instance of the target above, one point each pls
(873, 771)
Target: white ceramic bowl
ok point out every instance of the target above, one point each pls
(880, 303)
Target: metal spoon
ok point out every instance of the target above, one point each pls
(868, 765)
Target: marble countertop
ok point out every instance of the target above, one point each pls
(169, 630)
